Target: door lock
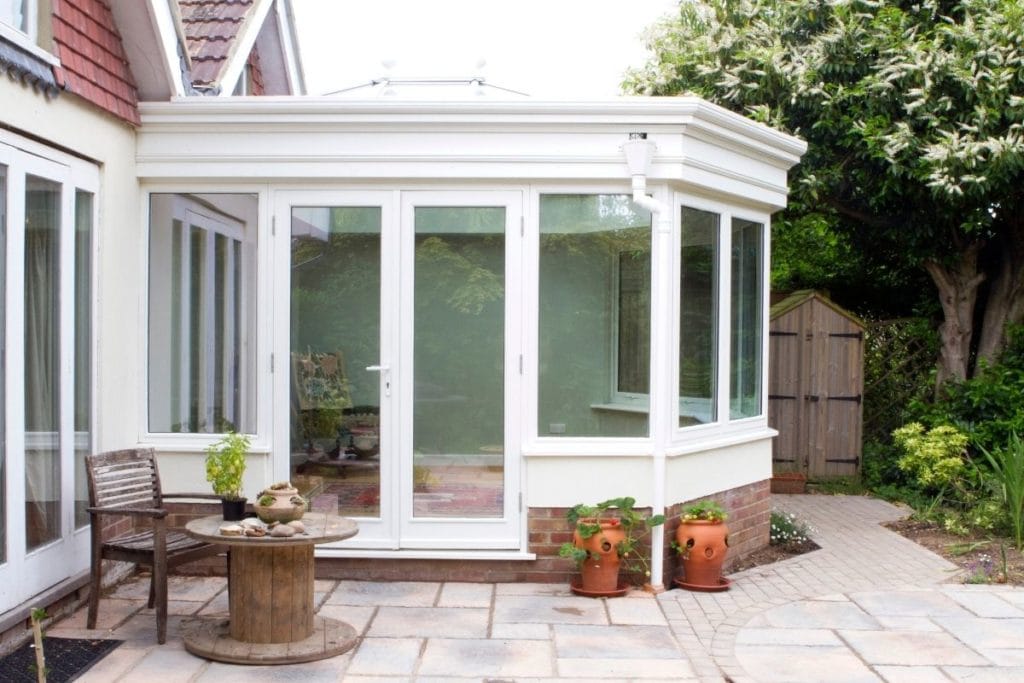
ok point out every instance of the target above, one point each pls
(385, 371)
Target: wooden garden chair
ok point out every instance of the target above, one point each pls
(127, 483)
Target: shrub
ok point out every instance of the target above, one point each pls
(787, 529)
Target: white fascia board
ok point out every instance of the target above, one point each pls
(166, 29)
(242, 46)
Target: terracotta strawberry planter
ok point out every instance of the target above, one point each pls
(600, 571)
(703, 546)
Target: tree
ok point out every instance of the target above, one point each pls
(913, 114)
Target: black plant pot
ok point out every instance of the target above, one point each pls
(234, 509)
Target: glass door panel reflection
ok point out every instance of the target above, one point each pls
(42, 361)
(335, 335)
(458, 365)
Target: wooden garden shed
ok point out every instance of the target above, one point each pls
(816, 386)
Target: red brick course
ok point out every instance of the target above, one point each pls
(748, 507)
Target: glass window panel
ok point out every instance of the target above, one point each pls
(595, 312)
(15, 13)
(458, 365)
(698, 319)
(42, 361)
(3, 363)
(746, 306)
(335, 335)
(202, 313)
(83, 349)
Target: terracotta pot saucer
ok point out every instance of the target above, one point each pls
(722, 585)
(576, 586)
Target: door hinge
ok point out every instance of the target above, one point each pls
(271, 363)
(520, 501)
(273, 225)
(520, 364)
(522, 226)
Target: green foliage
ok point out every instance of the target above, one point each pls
(225, 465)
(708, 510)
(934, 457)
(587, 520)
(1008, 472)
(988, 406)
(913, 113)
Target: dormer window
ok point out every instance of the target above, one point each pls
(20, 15)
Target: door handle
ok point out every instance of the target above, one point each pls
(385, 371)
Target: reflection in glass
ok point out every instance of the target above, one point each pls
(698, 326)
(595, 313)
(458, 385)
(83, 349)
(202, 318)
(746, 306)
(335, 335)
(42, 361)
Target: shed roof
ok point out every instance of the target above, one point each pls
(801, 296)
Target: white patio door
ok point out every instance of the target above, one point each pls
(397, 380)
(46, 214)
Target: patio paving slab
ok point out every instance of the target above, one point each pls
(549, 610)
(386, 656)
(910, 648)
(615, 642)
(424, 622)
(394, 594)
(487, 658)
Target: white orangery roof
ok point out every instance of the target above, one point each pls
(697, 144)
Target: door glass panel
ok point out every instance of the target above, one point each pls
(595, 316)
(458, 365)
(42, 369)
(746, 305)
(83, 349)
(698, 326)
(335, 334)
(3, 364)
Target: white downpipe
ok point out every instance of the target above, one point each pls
(638, 151)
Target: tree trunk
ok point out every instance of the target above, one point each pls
(1004, 305)
(958, 293)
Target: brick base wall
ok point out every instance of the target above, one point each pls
(748, 507)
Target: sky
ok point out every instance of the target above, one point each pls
(549, 49)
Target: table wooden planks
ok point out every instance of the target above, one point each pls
(270, 597)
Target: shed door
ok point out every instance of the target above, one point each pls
(835, 401)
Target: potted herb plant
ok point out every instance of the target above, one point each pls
(225, 465)
(604, 535)
(702, 541)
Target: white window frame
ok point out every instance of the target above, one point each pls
(723, 431)
(27, 39)
(25, 573)
(534, 444)
(258, 386)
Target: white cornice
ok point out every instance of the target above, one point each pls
(283, 115)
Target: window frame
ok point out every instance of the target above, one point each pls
(28, 39)
(259, 386)
(723, 431)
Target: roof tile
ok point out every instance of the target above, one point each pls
(211, 27)
(93, 61)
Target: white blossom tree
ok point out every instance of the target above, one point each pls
(914, 115)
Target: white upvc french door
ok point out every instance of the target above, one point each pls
(397, 362)
(43, 538)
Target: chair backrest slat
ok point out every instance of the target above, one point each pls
(126, 478)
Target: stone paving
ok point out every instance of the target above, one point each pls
(868, 606)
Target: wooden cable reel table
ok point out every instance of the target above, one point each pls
(270, 596)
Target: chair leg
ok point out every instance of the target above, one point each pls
(95, 575)
(160, 579)
(152, 589)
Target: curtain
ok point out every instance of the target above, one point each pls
(42, 306)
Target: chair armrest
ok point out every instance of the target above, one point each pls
(153, 513)
(202, 496)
